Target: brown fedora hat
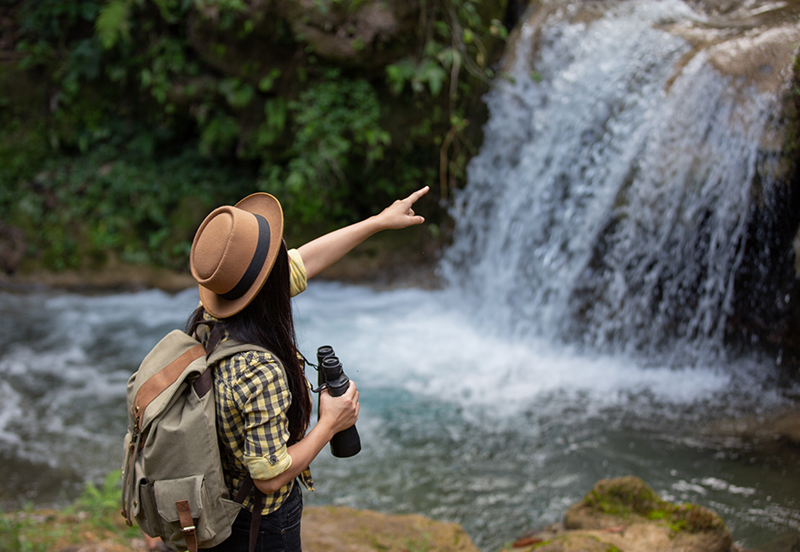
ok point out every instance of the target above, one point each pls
(233, 252)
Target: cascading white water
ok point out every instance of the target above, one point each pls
(610, 200)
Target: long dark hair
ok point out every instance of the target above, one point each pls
(267, 322)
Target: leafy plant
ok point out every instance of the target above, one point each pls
(100, 501)
(12, 537)
(455, 37)
(94, 516)
(140, 111)
(113, 23)
(334, 121)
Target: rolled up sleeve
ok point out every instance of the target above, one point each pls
(267, 468)
(298, 281)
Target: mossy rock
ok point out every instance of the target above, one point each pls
(627, 500)
(625, 514)
(622, 497)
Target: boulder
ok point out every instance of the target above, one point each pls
(12, 247)
(766, 433)
(626, 514)
(349, 33)
(341, 529)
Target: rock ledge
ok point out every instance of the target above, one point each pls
(624, 514)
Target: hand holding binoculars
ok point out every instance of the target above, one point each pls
(346, 443)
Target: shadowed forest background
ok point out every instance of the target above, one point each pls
(122, 123)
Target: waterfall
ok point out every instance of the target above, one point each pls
(610, 202)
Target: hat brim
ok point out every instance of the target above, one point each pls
(268, 207)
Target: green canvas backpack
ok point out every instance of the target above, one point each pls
(172, 479)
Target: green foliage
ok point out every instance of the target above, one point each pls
(239, 94)
(333, 121)
(397, 74)
(54, 19)
(100, 207)
(232, 5)
(455, 42)
(219, 134)
(102, 502)
(113, 23)
(13, 538)
(427, 72)
(456, 52)
(266, 83)
(134, 99)
(94, 517)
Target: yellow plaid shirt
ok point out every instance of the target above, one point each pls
(252, 397)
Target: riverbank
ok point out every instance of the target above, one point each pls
(392, 259)
(617, 515)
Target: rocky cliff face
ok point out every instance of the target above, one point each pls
(757, 45)
(752, 48)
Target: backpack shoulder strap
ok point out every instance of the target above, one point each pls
(231, 347)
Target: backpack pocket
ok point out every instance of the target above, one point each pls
(145, 511)
(167, 493)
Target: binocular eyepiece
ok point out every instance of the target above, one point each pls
(346, 443)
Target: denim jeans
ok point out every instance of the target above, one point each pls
(279, 531)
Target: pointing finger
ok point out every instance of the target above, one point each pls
(418, 194)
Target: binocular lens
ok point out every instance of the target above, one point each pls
(324, 352)
(332, 367)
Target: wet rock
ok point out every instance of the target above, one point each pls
(796, 247)
(341, 33)
(789, 542)
(12, 247)
(369, 34)
(341, 529)
(626, 514)
(763, 432)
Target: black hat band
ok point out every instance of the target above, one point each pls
(256, 263)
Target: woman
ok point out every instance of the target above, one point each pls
(246, 277)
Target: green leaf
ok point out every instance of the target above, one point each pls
(359, 45)
(498, 29)
(397, 74)
(113, 23)
(146, 77)
(448, 56)
(432, 73)
(468, 36)
(276, 110)
(239, 94)
(266, 83)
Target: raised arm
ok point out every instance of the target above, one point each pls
(322, 252)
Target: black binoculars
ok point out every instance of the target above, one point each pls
(346, 443)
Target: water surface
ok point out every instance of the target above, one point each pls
(458, 422)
